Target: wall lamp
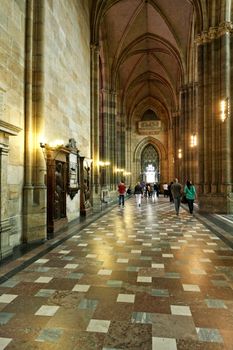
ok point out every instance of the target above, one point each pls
(224, 109)
(118, 170)
(103, 164)
(54, 146)
(179, 153)
(193, 142)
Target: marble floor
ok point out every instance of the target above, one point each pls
(136, 278)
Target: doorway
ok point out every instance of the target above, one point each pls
(150, 165)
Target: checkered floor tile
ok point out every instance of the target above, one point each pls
(136, 278)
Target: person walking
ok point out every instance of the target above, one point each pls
(156, 189)
(176, 194)
(190, 193)
(138, 194)
(165, 189)
(170, 192)
(129, 191)
(148, 190)
(121, 192)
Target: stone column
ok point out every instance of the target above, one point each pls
(215, 136)
(34, 200)
(176, 145)
(112, 136)
(120, 141)
(105, 137)
(95, 178)
(187, 126)
(182, 143)
(200, 120)
(129, 161)
(194, 130)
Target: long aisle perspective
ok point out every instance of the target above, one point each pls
(136, 278)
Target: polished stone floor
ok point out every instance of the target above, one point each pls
(136, 278)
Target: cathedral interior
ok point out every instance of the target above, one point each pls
(94, 92)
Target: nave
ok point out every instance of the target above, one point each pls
(136, 278)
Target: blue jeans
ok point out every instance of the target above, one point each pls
(177, 204)
(121, 199)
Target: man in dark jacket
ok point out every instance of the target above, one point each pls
(138, 194)
(176, 194)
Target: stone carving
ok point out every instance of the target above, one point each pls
(149, 127)
(214, 33)
(72, 144)
(58, 195)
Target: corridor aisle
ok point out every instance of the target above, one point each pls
(137, 278)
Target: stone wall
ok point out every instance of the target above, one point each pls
(12, 58)
(67, 77)
(66, 90)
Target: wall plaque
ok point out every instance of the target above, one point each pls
(149, 127)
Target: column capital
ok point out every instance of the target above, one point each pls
(184, 88)
(189, 86)
(109, 92)
(175, 114)
(95, 47)
(213, 33)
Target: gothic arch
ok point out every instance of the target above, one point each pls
(163, 157)
(146, 141)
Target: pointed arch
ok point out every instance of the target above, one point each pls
(146, 141)
(162, 152)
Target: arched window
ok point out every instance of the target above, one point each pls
(150, 164)
(149, 115)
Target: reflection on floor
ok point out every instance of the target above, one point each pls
(136, 278)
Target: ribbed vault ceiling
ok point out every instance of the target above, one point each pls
(145, 48)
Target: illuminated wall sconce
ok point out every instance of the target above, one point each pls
(193, 140)
(179, 153)
(224, 109)
(118, 170)
(103, 164)
(56, 143)
(126, 173)
(54, 146)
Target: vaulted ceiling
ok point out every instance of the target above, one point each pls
(145, 48)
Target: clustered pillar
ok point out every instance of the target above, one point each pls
(34, 201)
(215, 134)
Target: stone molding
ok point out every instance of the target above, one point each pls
(214, 33)
(109, 92)
(9, 129)
(189, 86)
(175, 114)
(95, 47)
(4, 148)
